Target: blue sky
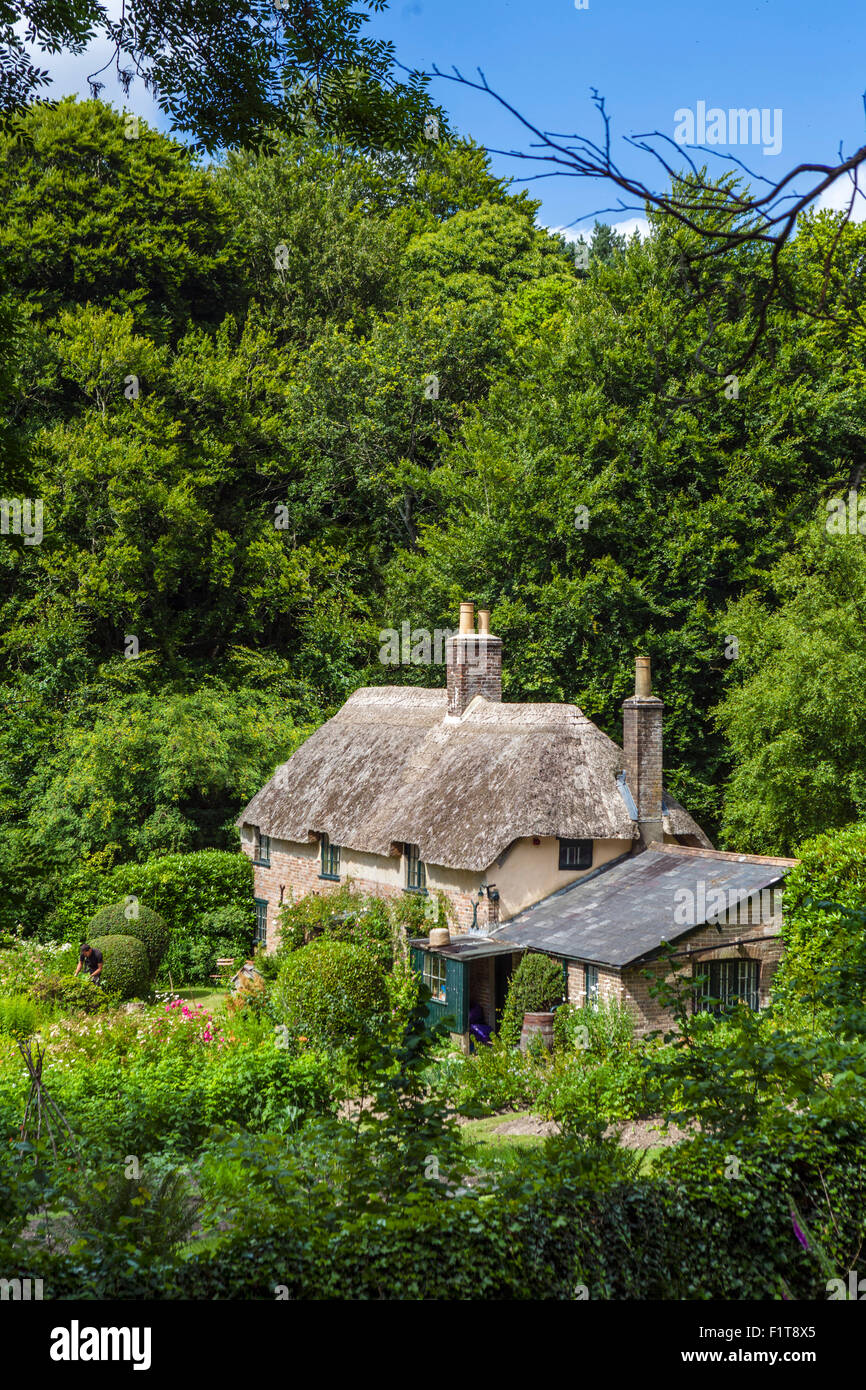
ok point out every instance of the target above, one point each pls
(648, 60)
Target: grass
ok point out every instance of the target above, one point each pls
(205, 995)
(476, 1133)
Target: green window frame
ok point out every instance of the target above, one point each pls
(330, 860)
(262, 848)
(575, 854)
(726, 983)
(261, 936)
(416, 873)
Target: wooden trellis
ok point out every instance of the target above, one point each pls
(42, 1111)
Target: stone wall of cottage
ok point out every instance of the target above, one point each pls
(294, 871)
(632, 988)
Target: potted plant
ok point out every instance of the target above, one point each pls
(536, 985)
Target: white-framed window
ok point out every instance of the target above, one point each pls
(261, 937)
(590, 985)
(433, 975)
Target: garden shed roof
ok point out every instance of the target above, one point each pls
(625, 910)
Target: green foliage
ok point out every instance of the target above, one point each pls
(153, 1213)
(186, 888)
(792, 714)
(125, 965)
(823, 967)
(499, 1077)
(535, 986)
(133, 919)
(130, 224)
(19, 1016)
(332, 993)
(344, 915)
(74, 996)
(603, 1030)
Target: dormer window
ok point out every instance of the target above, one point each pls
(416, 874)
(575, 854)
(261, 848)
(330, 860)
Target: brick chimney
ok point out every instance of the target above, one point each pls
(642, 746)
(473, 661)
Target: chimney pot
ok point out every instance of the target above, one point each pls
(484, 622)
(642, 677)
(467, 617)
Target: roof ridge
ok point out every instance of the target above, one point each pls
(730, 855)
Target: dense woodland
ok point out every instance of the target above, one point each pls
(212, 373)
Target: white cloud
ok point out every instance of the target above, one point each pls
(837, 197)
(632, 225)
(626, 229)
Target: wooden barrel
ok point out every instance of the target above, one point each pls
(537, 1026)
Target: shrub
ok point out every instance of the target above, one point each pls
(19, 1016)
(74, 996)
(498, 1077)
(145, 924)
(184, 888)
(32, 962)
(193, 954)
(823, 964)
(125, 964)
(344, 915)
(536, 984)
(329, 991)
(606, 1030)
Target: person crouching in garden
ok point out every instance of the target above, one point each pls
(91, 960)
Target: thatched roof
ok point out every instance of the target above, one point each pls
(392, 768)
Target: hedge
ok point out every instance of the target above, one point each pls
(133, 919)
(125, 964)
(329, 990)
(647, 1240)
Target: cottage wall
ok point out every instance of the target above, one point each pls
(632, 988)
(295, 871)
(525, 874)
(528, 872)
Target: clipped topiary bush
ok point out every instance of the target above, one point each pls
(145, 924)
(330, 991)
(535, 986)
(125, 965)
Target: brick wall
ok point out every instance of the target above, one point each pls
(632, 988)
(610, 986)
(642, 750)
(473, 666)
(482, 987)
(293, 873)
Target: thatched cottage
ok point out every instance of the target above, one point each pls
(541, 833)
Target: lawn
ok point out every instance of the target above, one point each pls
(476, 1133)
(207, 996)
